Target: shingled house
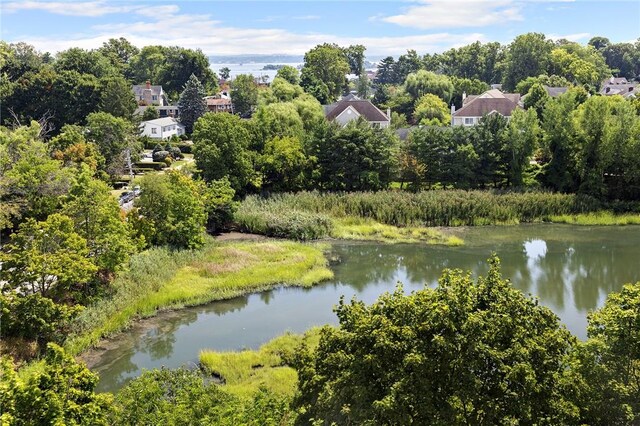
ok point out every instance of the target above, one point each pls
(351, 108)
(474, 107)
(147, 94)
(619, 86)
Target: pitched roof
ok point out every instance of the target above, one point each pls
(554, 92)
(490, 101)
(218, 101)
(165, 121)
(365, 108)
(138, 88)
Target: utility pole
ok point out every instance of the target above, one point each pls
(129, 165)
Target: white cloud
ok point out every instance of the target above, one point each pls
(456, 14)
(83, 8)
(214, 38)
(570, 37)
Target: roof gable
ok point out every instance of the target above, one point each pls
(489, 102)
(364, 108)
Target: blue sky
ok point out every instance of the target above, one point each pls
(293, 27)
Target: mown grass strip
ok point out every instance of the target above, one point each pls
(161, 279)
(353, 228)
(243, 373)
(604, 218)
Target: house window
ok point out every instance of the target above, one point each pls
(154, 131)
(154, 97)
(468, 121)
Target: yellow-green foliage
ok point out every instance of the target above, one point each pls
(220, 270)
(600, 218)
(243, 373)
(353, 228)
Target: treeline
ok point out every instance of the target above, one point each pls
(69, 86)
(465, 352)
(528, 55)
(531, 58)
(574, 143)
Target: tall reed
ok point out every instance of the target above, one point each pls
(426, 208)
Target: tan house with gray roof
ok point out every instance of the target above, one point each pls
(147, 94)
(619, 86)
(474, 107)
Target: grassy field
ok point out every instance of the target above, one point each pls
(243, 373)
(605, 218)
(161, 279)
(354, 228)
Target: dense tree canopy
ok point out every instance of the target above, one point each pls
(462, 353)
(326, 64)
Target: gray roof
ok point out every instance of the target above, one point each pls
(165, 121)
(365, 108)
(554, 92)
(138, 88)
(490, 101)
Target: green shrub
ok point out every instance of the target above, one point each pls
(155, 165)
(175, 153)
(160, 155)
(260, 216)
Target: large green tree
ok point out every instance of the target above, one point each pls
(96, 215)
(244, 94)
(463, 353)
(326, 63)
(527, 56)
(31, 182)
(192, 105)
(356, 157)
(220, 149)
(607, 366)
(48, 257)
(112, 135)
(60, 393)
(170, 211)
(116, 97)
(423, 82)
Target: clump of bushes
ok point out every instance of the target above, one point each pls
(258, 216)
(159, 156)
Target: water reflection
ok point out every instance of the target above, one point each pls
(570, 269)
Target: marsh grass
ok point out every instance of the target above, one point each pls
(244, 372)
(603, 218)
(354, 228)
(163, 279)
(426, 208)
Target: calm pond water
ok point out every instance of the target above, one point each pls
(571, 269)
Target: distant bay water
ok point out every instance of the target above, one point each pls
(254, 68)
(257, 68)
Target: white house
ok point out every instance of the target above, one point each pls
(146, 94)
(161, 128)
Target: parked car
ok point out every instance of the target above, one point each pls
(136, 191)
(126, 196)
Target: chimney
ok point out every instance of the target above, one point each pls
(464, 96)
(148, 84)
(389, 113)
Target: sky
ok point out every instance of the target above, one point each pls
(293, 27)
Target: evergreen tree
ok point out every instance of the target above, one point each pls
(191, 104)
